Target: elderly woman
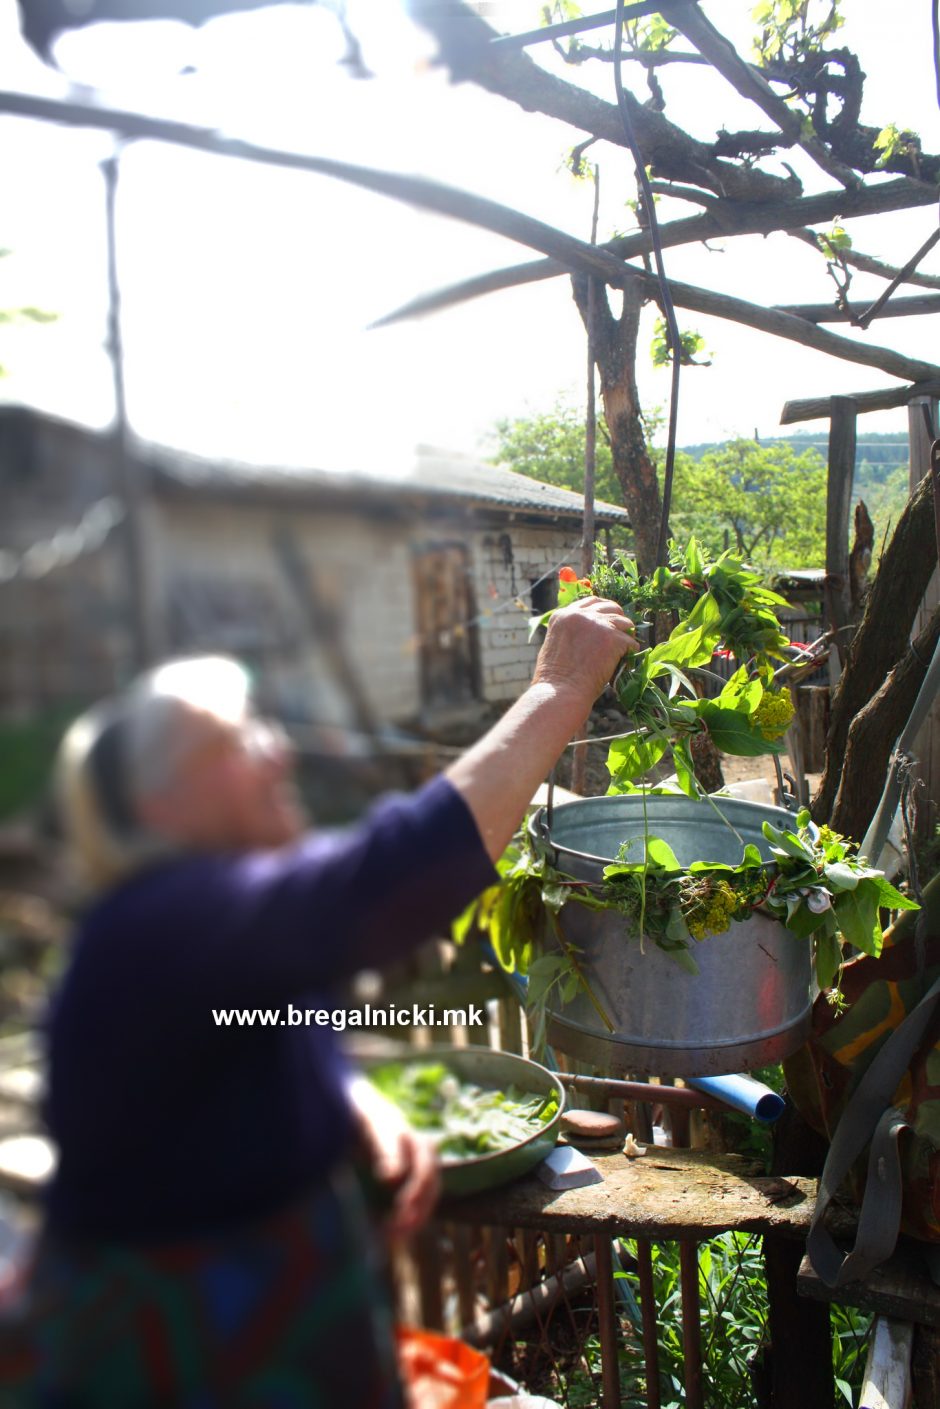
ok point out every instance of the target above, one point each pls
(204, 1241)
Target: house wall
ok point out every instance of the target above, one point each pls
(216, 583)
(508, 561)
(359, 572)
(362, 573)
(64, 635)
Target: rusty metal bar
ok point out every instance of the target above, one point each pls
(642, 1091)
(644, 1260)
(691, 1323)
(607, 1319)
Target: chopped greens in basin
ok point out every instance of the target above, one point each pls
(464, 1120)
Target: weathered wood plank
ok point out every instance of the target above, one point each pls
(886, 1383)
(925, 1367)
(429, 1268)
(899, 1289)
(838, 507)
(666, 1194)
(462, 1243)
(495, 1243)
(816, 408)
(927, 745)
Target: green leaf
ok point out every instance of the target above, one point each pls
(803, 922)
(555, 896)
(828, 959)
(890, 898)
(633, 756)
(544, 972)
(536, 621)
(742, 694)
(685, 774)
(660, 855)
(856, 913)
(788, 843)
(693, 641)
(677, 931)
(732, 732)
(841, 876)
(684, 958)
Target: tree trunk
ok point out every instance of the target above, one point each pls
(615, 355)
(881, 639)
(874, 732)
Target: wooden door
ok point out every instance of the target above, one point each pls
(445, 614)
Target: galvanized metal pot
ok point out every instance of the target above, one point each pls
(748, 1005)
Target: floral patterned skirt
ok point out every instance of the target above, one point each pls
(290, 1313)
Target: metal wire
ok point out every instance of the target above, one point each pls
(669, 313)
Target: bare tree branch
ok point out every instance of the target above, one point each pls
(650, 59)
(465, 48)
(571, 254)
(712, 45)
(724, 219)
(829, 313)
(867, 265)
(579, 257)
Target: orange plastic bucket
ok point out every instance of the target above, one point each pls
(441, 1372)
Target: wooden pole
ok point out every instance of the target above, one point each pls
(838, 504)
(579, 759)
(130, 477)
(927, 743)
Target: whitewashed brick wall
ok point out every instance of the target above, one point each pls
(506, 657)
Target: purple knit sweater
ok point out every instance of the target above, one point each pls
(170, 1125)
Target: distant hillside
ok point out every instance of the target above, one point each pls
(875, 455)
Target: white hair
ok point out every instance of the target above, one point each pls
(130, 748)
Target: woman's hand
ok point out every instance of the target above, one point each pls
(584, 645)
(496, 778)
(403, 1160)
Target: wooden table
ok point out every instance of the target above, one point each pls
(666, 1194)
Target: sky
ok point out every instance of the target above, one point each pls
(247, 293)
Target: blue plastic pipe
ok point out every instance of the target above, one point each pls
(743, 1093)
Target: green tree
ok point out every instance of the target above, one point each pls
(766, 501)
(550, 447)
(885, 496)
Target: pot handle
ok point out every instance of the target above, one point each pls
(544, 815)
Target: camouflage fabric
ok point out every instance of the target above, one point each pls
(823, 1075)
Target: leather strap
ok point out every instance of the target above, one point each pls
(870, 1118)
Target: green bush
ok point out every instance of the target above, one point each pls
(27, 751)
(733, 1300)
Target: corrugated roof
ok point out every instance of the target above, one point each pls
(427, 475)
(432, 474)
